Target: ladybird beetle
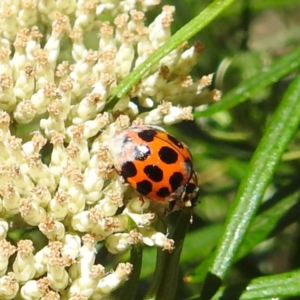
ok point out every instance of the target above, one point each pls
(156, 164)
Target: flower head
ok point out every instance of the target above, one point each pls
(59, 178)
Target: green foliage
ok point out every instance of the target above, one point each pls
(244, 240)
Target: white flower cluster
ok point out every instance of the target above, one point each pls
(52, 82)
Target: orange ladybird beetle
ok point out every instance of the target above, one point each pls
(156, 164)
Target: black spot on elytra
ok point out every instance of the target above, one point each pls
(147, 135)
(154, 173)
(175, 141)
(141, 152)
(144, 187)
(175, 180)
(128, 170)
(163, 192)
(168, 155)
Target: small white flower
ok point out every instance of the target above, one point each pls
(56, 264)
(53, 230)
(117, 243)
(136, 205)
(59, 205)
(93, 185)
(28, 15)
(82, 222)
(111, 281)
(35, 289)
(120, 242)
(9, 286)
(32, 213)
(152, 237)
(11, 198)
(87, 255)
(85, 285)
(6, 250)
(23, 265)
(71, 245)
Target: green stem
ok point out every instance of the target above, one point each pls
(167, 289)
(130, 286)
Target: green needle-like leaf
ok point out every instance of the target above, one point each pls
(260, 171)
(276, 213)
(280, 213)
(269, 287)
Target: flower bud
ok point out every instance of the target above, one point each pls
(23, 265)
(111, 281)
(9, 286)
(6, 250)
